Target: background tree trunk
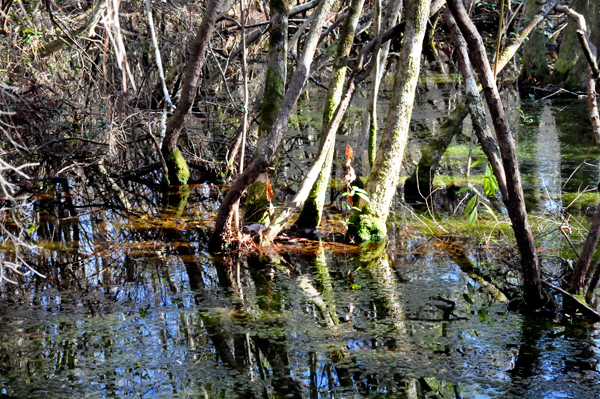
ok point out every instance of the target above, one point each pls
(419, 184)
(274, 92)
(178, 172)
(571, 66)
(534, 62)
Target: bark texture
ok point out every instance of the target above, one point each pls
(369, 222)
(273, 96)
(533, 293)
(368, 133)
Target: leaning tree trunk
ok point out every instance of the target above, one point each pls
(266, 154)
(533, 293)
(419, 184)
(571, 66)
(310, 217)
(534, 62)
(476, 107)
(591, 242)
(369, 223)
(274, 91)
(178, 172)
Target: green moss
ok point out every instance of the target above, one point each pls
(274, 89)
(371, 251)
(581, 298)
(578, 201)
(178, 174)
(446, 180)
(366, 227)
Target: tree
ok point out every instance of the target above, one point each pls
(571, 66)
(313, 206)
(177, 169)
(369, 222)
(272, 98)
(515, 202)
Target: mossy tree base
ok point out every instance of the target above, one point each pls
(178, 173)
(364, 227)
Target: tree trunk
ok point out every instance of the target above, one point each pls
(533, 293)
(369, 223)
(369, 129)
(310, 217)
(267, 152)
(272, 98)
(571, 66)
(178, 172)
(476, 107)
(589, 248)
(534, 62)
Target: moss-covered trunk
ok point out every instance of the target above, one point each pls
(534, 62)
(312, 211)
(256, 203)
(178, 173)
(369, 222)
(368, 135)
(571, 67)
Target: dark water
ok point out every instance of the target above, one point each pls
(134, 306)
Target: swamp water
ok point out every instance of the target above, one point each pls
(135, 306)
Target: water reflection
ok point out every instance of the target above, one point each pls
(134, 305)
(165, 319)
